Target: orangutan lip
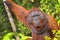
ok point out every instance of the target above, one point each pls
(38, 27)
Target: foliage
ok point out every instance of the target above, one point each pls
(10, 36)
(47, 38)
(4, 22)
(49, 6)
(57, 35)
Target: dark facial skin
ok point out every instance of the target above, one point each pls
(36, 18)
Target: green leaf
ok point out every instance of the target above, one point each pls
(58, 32)
(47, 38)
(59, 1)
(59, 22)
(55, 39)
(7, 36)
(54, 31)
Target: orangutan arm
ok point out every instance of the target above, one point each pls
(52, 23)
(19, 11)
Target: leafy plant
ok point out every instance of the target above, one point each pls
(10, 36)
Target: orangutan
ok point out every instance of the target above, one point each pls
(38, 21)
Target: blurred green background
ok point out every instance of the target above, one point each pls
(49, 6)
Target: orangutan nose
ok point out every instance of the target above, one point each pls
(36, 21)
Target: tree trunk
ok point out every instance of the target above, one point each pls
(11, 20)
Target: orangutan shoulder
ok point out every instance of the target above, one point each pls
(52, 22)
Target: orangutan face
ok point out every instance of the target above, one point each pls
(36, 19)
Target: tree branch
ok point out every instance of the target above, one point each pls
(11, 20)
